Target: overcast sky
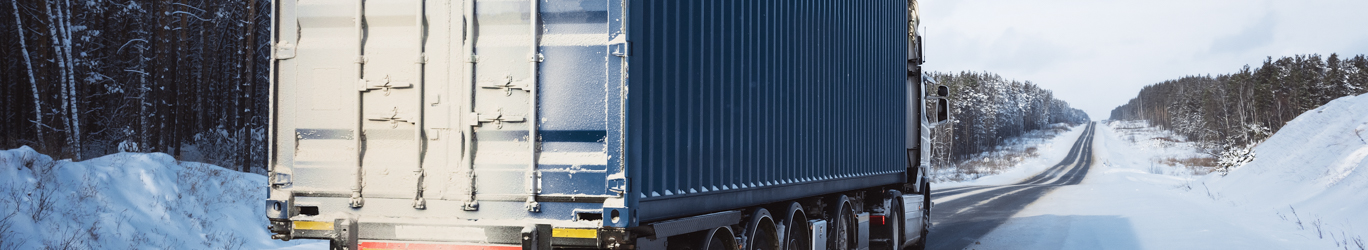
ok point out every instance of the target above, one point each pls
(1098, 54)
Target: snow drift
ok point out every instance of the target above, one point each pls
(1315, 165)
(128, 200)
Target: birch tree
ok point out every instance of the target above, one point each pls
(56, 31)
(65, 16)
(33, 82)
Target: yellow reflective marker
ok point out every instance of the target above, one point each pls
(574, 233)
(313, 225)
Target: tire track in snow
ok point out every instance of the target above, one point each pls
(962, 215)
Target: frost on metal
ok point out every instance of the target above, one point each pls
(400, 112)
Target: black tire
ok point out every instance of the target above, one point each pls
(761, 232)
(798, 238)
(842, 225)
(765, 239)
(718, 239)
(716, 243)
(797, 235)
(894, 220)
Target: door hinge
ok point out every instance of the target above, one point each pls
(284, 50)
(280, 179)
(620, 49)
(617, 184)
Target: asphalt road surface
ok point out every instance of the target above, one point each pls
(962, 215)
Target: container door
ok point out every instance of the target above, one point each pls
(319, 103)
(503, 100)
(391, 90)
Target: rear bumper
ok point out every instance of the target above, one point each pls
(387, 245)
(437, 234)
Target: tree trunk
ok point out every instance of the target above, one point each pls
(61, 68)
(37, 100)
(144, 126)
(65, 11)
(181, 76)
(160, 48)
(251, 87)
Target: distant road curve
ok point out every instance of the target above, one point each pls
(962, 215)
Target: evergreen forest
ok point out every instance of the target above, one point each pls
(1237, 110)
(987, 109)
(88, 78)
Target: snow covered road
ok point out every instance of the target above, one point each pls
(963, 215)
(1107, 194)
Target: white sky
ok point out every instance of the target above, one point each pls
(1097, 54)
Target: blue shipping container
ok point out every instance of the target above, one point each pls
(403, 117)
(739, 103)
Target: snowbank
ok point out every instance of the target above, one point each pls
(1315, 165)
(1131, 200)
(1050, 151)
(1135, 144)
(128, 200)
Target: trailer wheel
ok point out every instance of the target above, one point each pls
(894, 219)
(719, 238)
(843, 227)
(760, 232)
(796, 235)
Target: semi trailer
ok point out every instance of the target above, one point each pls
(600, 124)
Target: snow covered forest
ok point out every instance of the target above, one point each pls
(987, 109)
(1232, 112)
(90, 78)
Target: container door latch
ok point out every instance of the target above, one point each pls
(498, 118)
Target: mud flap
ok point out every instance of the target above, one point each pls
(536, 237)
(912, 221)
(346, 234)
(819, 234)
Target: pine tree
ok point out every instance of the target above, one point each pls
(1229, 111)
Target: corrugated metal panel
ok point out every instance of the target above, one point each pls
(737, 103)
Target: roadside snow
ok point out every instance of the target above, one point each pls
(1132, 199)
(1128, 202)
(128, 200)
(1315, 166)
(1051, 152)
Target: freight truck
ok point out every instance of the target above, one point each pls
(604, 124)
